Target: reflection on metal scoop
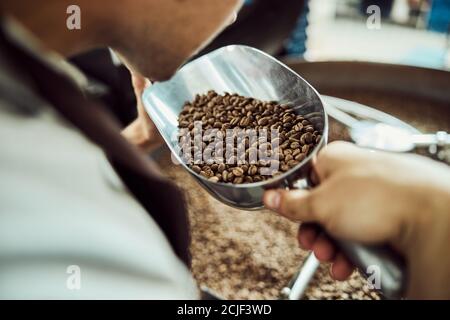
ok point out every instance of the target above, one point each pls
(383, 136)
(248, 72)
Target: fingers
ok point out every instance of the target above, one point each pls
(341, 268)
(139, 84)
(309, 238)
(324, 249)
(307, 235)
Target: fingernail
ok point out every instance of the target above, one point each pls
(147, 83)
(272, 199)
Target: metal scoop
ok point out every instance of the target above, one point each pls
(395, 139)
(250, 72)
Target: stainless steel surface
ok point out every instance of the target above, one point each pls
(249, 72)
(295, 290)
(383, 266)
(379, 130)
(382, 136)
(343, 111)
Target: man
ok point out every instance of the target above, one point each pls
(70, 225)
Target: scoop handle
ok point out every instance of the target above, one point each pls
(380, 264)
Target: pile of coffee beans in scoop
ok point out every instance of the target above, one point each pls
(234, 139)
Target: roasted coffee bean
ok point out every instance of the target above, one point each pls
(196, 169)
(292, 163)
(238, 172)
(306, 138)
(248, 179)
(238, 180)
(242, 163)
(305, 148)
(295, 145)
(225, 176)
(214, 179)
(253, 170)
(300, 157)
(221, 167)
(263, 121)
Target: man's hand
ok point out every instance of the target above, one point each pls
(376, 197)
(142, 131)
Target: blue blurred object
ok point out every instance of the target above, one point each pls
(296, 44)
(425, 57)
(439, 18)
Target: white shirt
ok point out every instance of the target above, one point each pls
(68, 227)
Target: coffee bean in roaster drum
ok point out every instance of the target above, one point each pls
(230, 138)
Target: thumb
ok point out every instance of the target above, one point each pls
(296, 205)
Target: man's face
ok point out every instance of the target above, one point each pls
(159, 35)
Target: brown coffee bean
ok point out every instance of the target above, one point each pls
(214, 179)
(235, 121)
(225, 176)
(298, 127)
(257, 178)
(292, 163)
(248, 179)
(306, 138)
(295, 145)
(238, 172)
(285, 144)
(300, 157)
(318, 139)
(238, 180)
(263, 121)
(305, 148)
(253, 170)
(221, 167)
(243, 162)
(245, 121)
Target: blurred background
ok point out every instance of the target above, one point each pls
(411, 32)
